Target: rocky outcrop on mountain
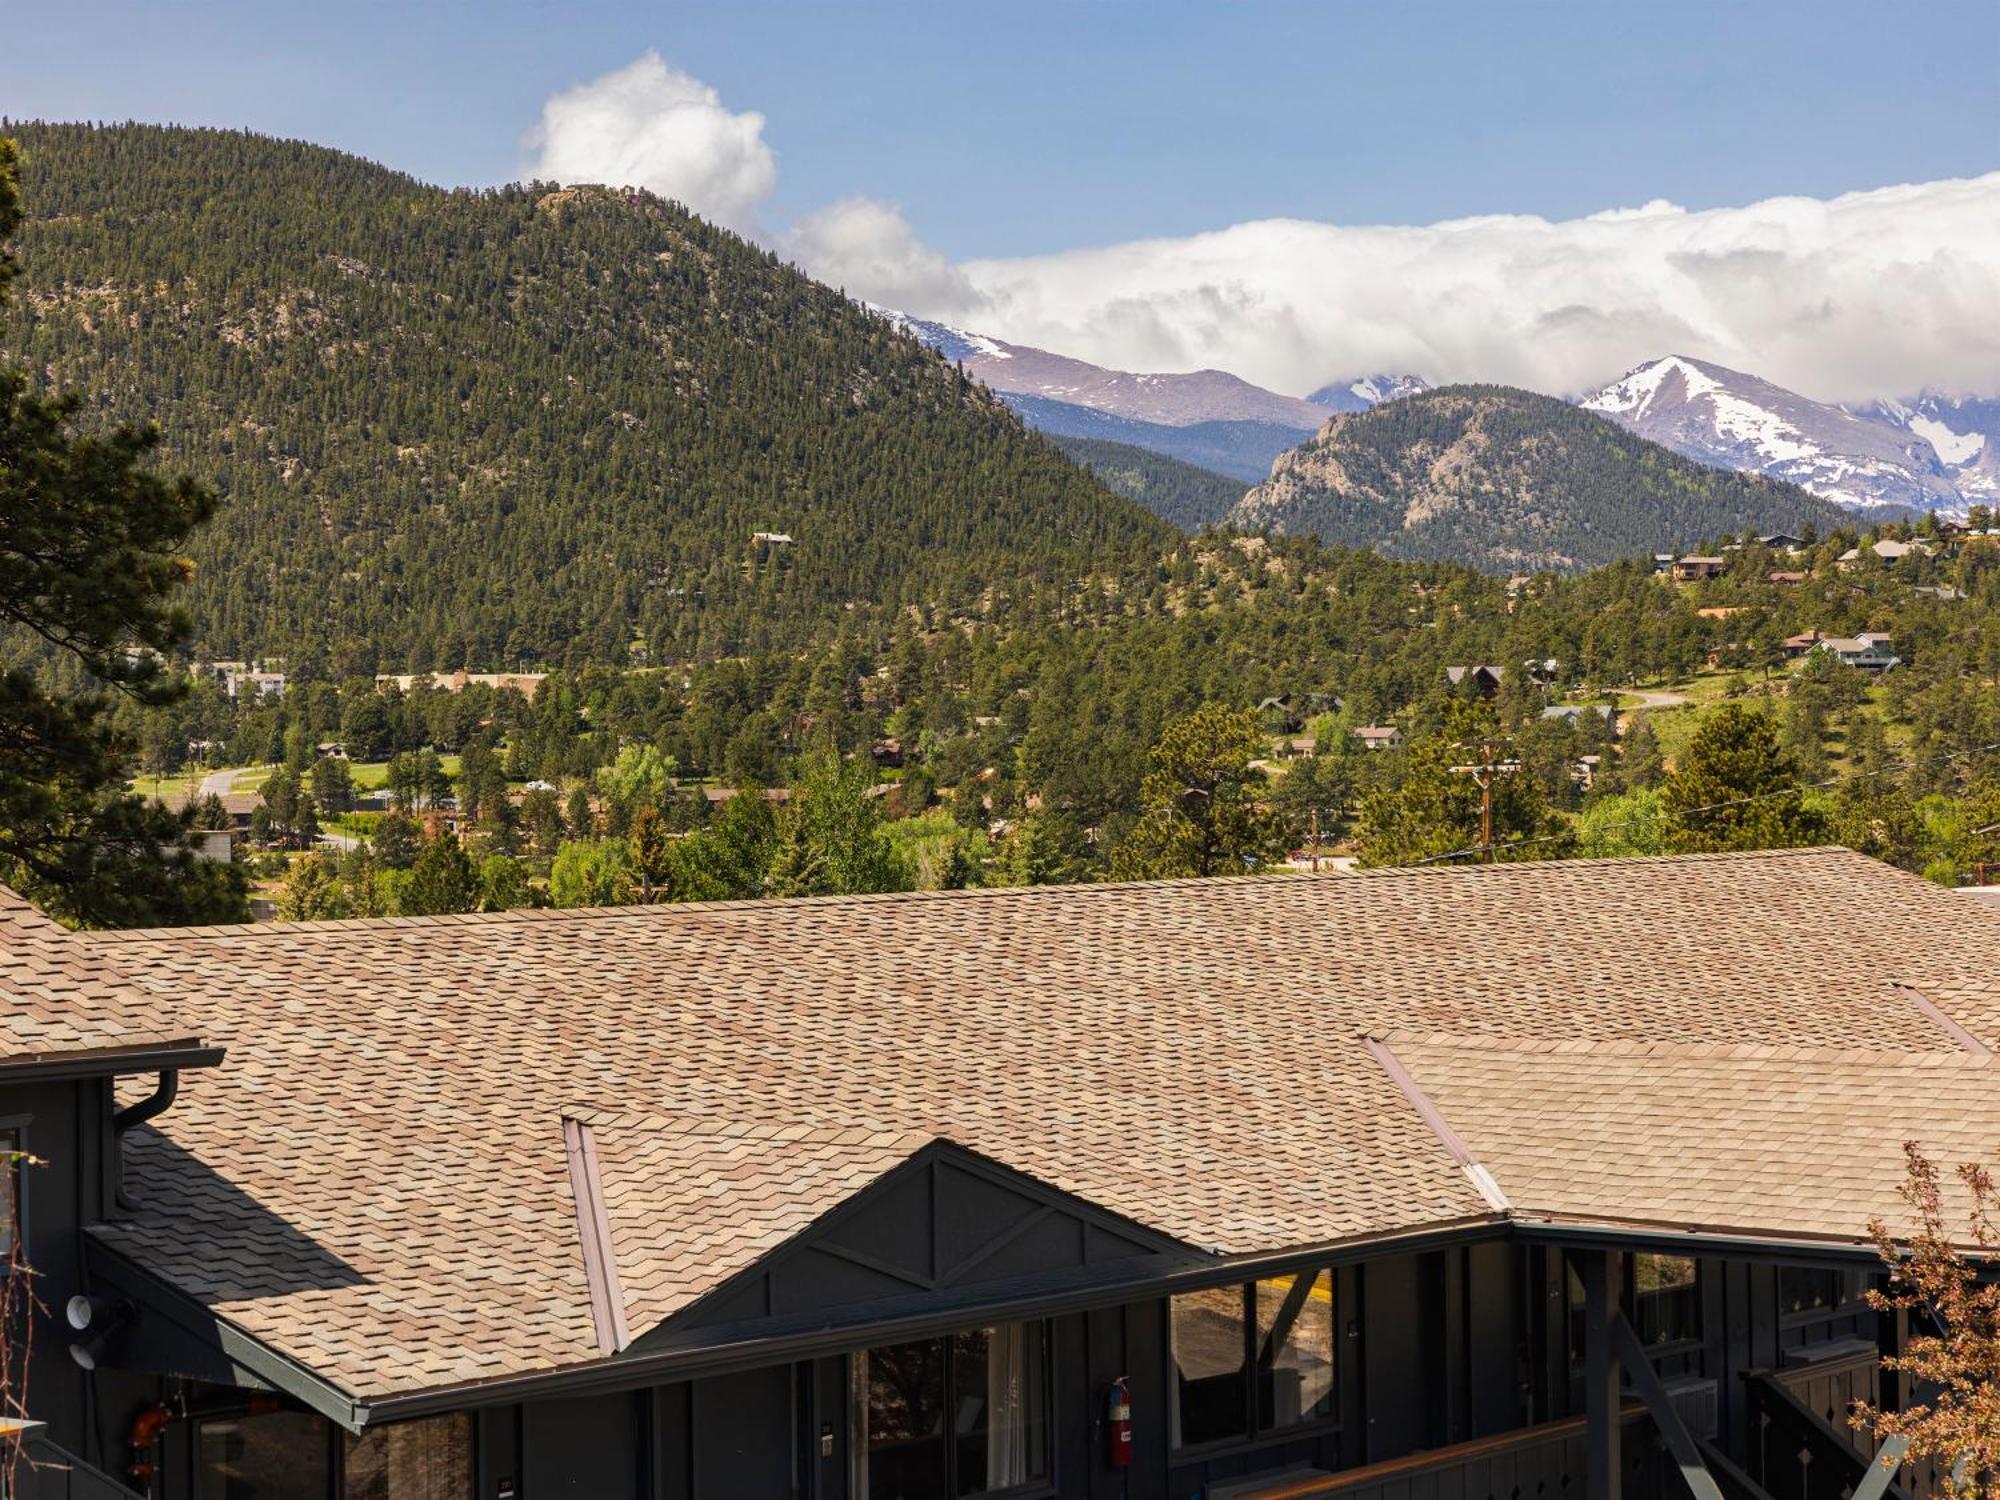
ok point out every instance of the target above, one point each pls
(1508, 480)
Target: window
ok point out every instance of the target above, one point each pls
(1294, 1350)
(1211, 1356)
(428, 1459)
(1804, 1292)
(1663, 1291)
(966, 1415)
(12, 1155)
(1666, 1299)
(276, 1455)
(1252, 1359)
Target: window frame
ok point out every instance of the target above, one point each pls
(1696, 1291)
(17, 1178)
(1848, 1306)
(1574, 1355)
(857, 1418)
(1255, 1436)
(339, 1442)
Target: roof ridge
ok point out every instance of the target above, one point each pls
(1518, 869)
(1706, 1051)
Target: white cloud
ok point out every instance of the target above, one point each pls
(651, 126)
(869, 248)
(1872, 293)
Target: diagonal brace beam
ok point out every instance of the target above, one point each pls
(1680, 1442)
(1882, 1470)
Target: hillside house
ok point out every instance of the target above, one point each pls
(1379, 736)
(1484, 680)
(1786, 577)
(527, 684)
(1888, 550)
(240, 682)
(1694, 569)
(875, 1197)
(1868, 652)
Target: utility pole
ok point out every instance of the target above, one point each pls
(1483, 772)
(1315, 839)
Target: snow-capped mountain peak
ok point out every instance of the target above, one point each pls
(1964, 432)
(1369, 390)
(1738, 421)
(955, 344)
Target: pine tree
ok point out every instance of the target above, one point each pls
(1201, 802)
(90, 543)
(829, 841)
(443, 881)
(1734, 788)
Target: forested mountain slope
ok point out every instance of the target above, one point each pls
(1186, 494)
(1510, 480)
(483, 428)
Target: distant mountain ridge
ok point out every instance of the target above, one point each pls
(1508, 480)
(1209, 418)
(1725, 417)
(1369, 390)
(1189, 496)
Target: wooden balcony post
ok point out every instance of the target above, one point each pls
(1601, 1274)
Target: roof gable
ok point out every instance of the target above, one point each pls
(713, 1222)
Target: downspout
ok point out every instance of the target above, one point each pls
(154, 1104)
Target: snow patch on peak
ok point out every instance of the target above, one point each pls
(1722, 416)
(1366, 391)
(1953, 448)
(953, 343)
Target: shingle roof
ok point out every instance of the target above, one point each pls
(689, 1203)
(59, 996)
(1185, 1054)
(1789, 1142)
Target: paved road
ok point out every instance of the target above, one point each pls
(217, 783)
(1657, 700)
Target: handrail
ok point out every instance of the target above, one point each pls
(1772, 1398)
(51, 1471)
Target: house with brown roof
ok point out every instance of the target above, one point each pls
(1083, 1191)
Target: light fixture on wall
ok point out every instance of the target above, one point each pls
(99, 1318)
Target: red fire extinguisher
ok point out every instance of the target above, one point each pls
(1118, 1425)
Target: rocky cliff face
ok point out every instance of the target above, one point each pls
(1508, 480)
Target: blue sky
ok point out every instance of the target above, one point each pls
(1808, 189)
(1026, 127)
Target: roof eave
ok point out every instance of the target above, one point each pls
(1792, 1248)
(105, 1062)
(750, 1351)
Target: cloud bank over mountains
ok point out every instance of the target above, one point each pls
(1876, 293)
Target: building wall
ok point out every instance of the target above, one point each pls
(64, 1126)
(1430, 1350)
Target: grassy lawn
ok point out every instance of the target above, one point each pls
(165, 788)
